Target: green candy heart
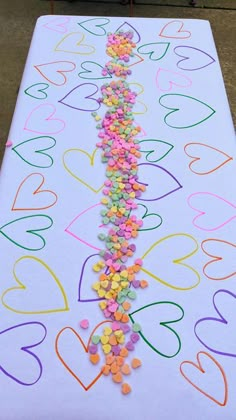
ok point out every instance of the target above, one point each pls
(150, 147)
(95, 26)
(37, 90)
(92, 71)
(31, 150)
(164, 324)
(155, 50)
(15, 224)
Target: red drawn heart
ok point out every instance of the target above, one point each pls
(216, 258)
(85, 347)
(30, 192)
(199, 367)
(54, 72)
(173, 29)
(203, 152)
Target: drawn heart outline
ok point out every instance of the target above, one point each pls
(198, 158)
(151, 52)
(50, 113)
(26, 350)
(89, 97)
(80, 299)
(131, 28)
(40, 151)
(105, 21)
(178, 261)
(78, 43)
(22, 287)
(215, 258)
(85, 347)
(53, 26)
(164, 324)
(146, 215)
(40, 67)
(199, 367)
(85, 66)
(42, 90)
(185, 58)
(150, 152)
(172, 75)
(221, 320)
(36, 191)
(176, 34)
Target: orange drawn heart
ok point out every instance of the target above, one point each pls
(216, 258)
(173, 29)
(54, 72)
(85, 347)
(28, 192)
(139, 60)
(199, 367)
(203, 152)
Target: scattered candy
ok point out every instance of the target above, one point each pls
(126, 388)
(84, 324)
(8, 143)
(136, 363)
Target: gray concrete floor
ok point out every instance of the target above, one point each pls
(17, 20)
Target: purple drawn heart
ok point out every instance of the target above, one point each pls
(82, 93)
(26, 350)
(80, 299)
(179, 186)
(128, 27)
(187, 58)
(220, 320)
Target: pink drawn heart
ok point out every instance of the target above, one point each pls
(218, 213)
(174, 30)
(166, 79)
(58, 24)
(40, 120)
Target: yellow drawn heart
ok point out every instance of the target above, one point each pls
(40, 294)
(169, 249)
(82, 168)
(142, 107)
(72, 43)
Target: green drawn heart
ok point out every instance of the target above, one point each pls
(32, 148)
(92, 71)
(16, 224)
(147, 215)
(95, 26)
(155, 50)
(150, 147)
(164, 324)
(34, 91)
(191, 107)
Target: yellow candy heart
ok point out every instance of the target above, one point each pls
(101, 293)
(96, 286)
(103, 305)
(107, 331)
(104, 339)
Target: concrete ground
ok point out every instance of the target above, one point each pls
(17, 20)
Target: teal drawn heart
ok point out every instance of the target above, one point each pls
(136, 317)
(155, 50)
(32, 151)
(92, 71)
(20, 233)
(36, 91)
(95, 26)
(186, 111)
(151, 221)
(151, 148)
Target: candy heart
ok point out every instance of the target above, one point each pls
(73, 44)
(206, 159)
(76, 168)
(22, 232)
(30, 296)
(186, 111)
(172, 250)
(155, 150)
(222, 266)
(160, 340)
(67, 341)
(37, 91)
(95, 26)
(155, 50)
(213, 374)
(41, 120)
(166, 79)
(30, 151)
(9, 143)
(54, 72)
(82, 98)
(173, 29)
(13, 347)
(59, 24)
(87, 278)
(166, 185)
(151, 221)
(30, 192)
(92, 70)
(193, 58)
(213, 211)
(78, 227)
(127, 27)
(216, 333)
